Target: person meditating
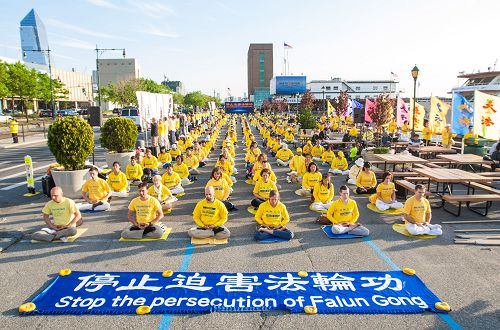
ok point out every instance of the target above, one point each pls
(272, 217)
(134, 171)
(262, 188)
(323, 194)
(417, 214)
(95, 192)
(342, 215)
(385, 198)
(172, 180)
(310, 178)
(65, 218)
(222, 189)
(144, 214)
(366, 180)
(162, 194)
(117, 181)
(209, 215)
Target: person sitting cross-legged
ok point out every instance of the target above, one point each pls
(262, 188)
(65, 218)
(221, 186)
(117, 181)
(310, 178)
(162, 194)
(366, 180)
(209, 215)
(284, 155)
(95, 192)
(272, 217)
(149, 164)
(417, 214)
(323, 194)
(385, 198)
(342, 215)
(172, 180)
(144, 213)
(134, 171)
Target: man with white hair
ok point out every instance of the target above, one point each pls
(354, 171)
(284, 155)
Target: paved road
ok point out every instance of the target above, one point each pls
(464, 276)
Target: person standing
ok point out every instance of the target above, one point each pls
(14, 130)
(154, 133)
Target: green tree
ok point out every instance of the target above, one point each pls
(22, 83)
(123, 92)
(196, 99)
(43, 90)
(4, 78)
(178, 98)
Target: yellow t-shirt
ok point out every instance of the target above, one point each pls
(181, 169)
(284, 155)
(386, 191)
(164, 157)
(171, 180)
(296, 162)
(272, 216)
(340, 212)
(210, 214)
(263, 189)
(149, 162)
(257, 176)
(366, 179)
(97, 189)
(353, 132)
(117, 182)
(339, 164)
(191, 162)
(175, 152)
(165, 193)
(445, 137)
(405, 129)
(307, 148)
(145, 211)
(323, 194)
(328, 156)
(427, 133)
(393, 126)
(221, 188)
(417, 209)
(134, 172)
(309, 179)
(317, 151)
(61, 212)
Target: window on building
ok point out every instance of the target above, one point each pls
(367, 96)
(335, 88)
(375, 88)
(328, 97)
(358, 88)
(386, 88)
(358, 97)
(328, 88)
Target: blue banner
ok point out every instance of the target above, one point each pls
(188, 292)
(462, 116)
(289, 85)
(239, 107)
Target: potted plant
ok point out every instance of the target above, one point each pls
(71, 141)
(119, 136)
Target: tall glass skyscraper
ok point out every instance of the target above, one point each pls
(34, 37)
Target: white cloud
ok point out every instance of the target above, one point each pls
(81, 30)
(103, 3)
(152, 8)
(64, 56)
(152, 30)
(10, 47)
(72, 43)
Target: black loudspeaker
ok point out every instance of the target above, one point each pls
(95, 116)
(359, 116)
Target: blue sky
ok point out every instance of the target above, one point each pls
(205, 43)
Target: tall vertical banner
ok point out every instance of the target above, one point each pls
(462, 115)
(437, 115)
(418, 121)
(154, 105)
(486, 115)
(368, 106)
(402, 112)
(354, 105)
(330, 111)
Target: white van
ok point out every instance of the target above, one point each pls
(134, 114)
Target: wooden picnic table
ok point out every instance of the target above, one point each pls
(464, 160)
(432, 150)
(338, 142)
(448, 177)
(398, 159)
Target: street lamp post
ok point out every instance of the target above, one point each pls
(414, 74)
(324, 107)
(102, 50)
(50, 76)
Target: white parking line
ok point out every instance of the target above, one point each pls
(21, 173)
(11, 167)
(20, 183)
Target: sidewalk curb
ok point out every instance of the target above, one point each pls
(14, 145)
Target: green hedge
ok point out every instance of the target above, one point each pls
(119, 134)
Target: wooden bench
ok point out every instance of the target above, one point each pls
(417, 179)
(408, 186)
(432, 165)
(403, 174)
(488, 199)
(488, 189)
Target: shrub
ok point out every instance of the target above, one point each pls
(71, 141)
(119, 134)
(306, 118)
(381, 150)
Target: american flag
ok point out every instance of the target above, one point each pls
(287, 46)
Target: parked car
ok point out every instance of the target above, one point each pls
(5, 118)
(134, 114)
(83, 112)
(116, 111)
(67, 112)
(45, 113)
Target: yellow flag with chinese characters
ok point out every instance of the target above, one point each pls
(330, 110)
(486, 115)
(419, 115)
(437, 115)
